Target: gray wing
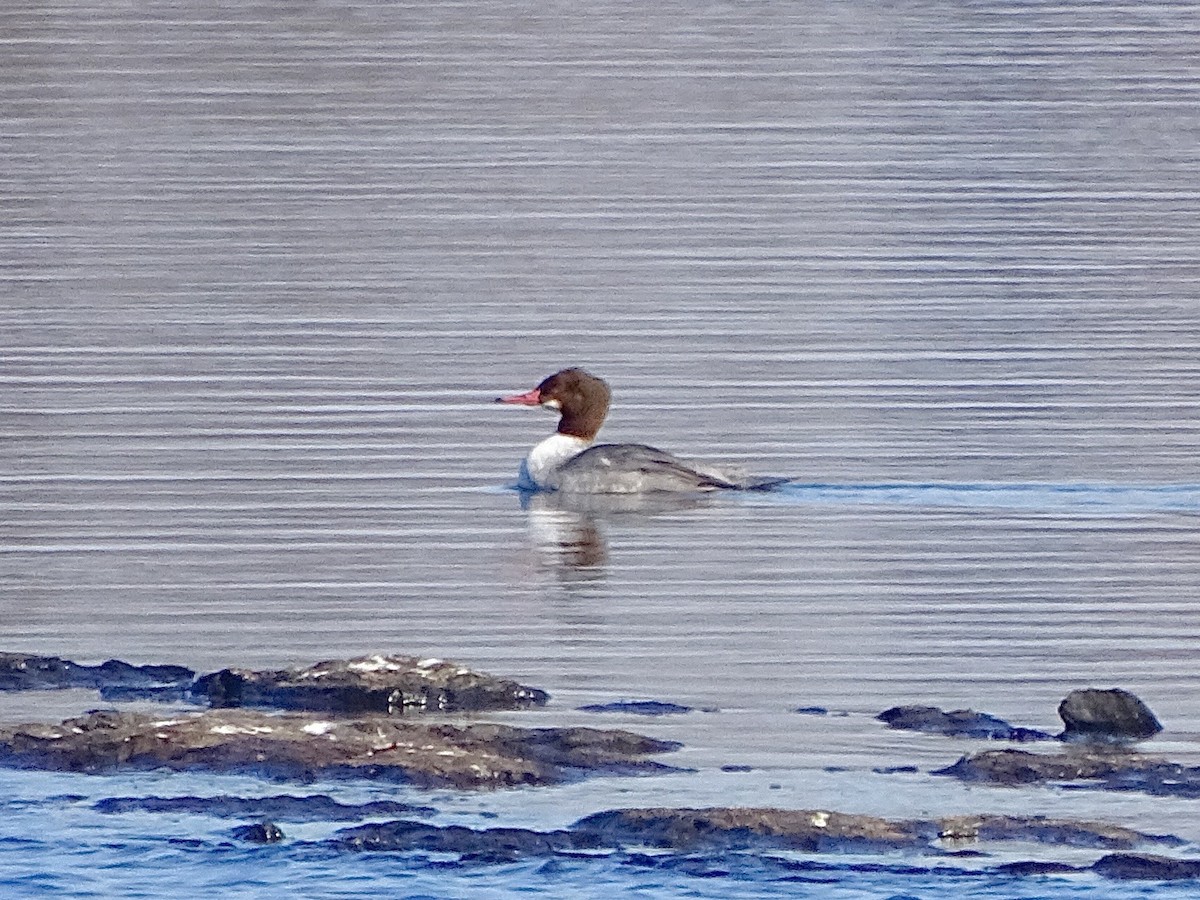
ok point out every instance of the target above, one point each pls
(627, 468)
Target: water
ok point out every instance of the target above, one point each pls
(263, 269)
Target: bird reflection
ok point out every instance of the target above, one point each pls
(566, 529)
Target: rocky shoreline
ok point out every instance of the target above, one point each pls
(384, 719)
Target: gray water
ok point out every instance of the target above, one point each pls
(263, 267)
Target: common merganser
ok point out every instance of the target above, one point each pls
(567, 461)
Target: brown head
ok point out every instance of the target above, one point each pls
(580, 398)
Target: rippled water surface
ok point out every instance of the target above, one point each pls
(264, 267)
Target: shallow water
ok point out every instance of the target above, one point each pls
(263, 269)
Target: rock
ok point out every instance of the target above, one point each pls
(1014, 767)
(743, 828)
(384, 684)
(1042, 830)
(259, 833)
(1025, 868)
(702, 833)
(27, 672)
(1146, 867)
(957, 723)
(1106, 715)
(485, 845)
(811, 710)
(637, 708)
(286, 807)
(1090, 767)
(304, 746)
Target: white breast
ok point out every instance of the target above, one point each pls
(538, 468)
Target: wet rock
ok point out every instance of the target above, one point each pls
(637, 708)
(1106, 715)
(259, 833)
(1027, 867)
(957, 723)
(28, 672)
(704, 832)
(1146, 867)
(384, 684)
(743, 828)
(1014, 767)
(811, 710)
(1091, 767)
(487, 844)
(304, 746)
(285, 807)
(1043, 830)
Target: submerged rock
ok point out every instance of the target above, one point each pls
(286, 807)
(384, 684)
(638, 708)
(1112, 715)
(28, 672)
(304, 746)
(957, 723)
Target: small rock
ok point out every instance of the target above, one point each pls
(1106, 715)
(28, 672)
(956, 723)
(1025, 868)
(637, 708)
(259, 833)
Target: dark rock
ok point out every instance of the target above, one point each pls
(285, 807)
(895, 770)
(957, 723)
(743, 828)
(259, 833)
(811, 710)
(1091, 767)
(1042, 830)
(383, 684)
(1106, 715)
(1146, 867)
(27, 672)
(488, 844)
(737, 768)
(303, 746)
(1014, 767)
(1029, 867)
(716, 838)
(637, 708)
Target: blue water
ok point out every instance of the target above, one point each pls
(54, 843)
(1098, 499)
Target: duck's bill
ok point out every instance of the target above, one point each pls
(529, 398)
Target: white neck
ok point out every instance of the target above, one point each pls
(539, 467)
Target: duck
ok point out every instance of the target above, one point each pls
(570, 461)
